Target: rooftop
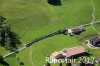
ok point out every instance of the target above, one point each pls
(69, 52)
(73, 51)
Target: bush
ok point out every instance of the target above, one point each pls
(55, 2)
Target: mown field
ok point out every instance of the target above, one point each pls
(35, 18)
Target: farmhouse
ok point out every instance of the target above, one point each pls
(76, 30)
(95, 41)
(68, 52)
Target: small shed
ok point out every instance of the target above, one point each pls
(56, 54)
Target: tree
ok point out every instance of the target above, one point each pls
(8, 38)
(2, 19)
(7, 43)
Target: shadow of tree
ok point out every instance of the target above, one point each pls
(55, 2)
(4, 63)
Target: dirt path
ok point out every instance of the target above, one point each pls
(93, 17)
(30, 56)
(30, 51)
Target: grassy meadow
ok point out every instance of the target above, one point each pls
(35, 18)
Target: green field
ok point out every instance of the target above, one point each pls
(35, 18)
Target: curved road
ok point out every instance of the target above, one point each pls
(34, 41)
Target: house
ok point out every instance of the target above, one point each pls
(68, 52)
(76, 30)
(95, 41)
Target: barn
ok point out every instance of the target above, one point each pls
(68, 52)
